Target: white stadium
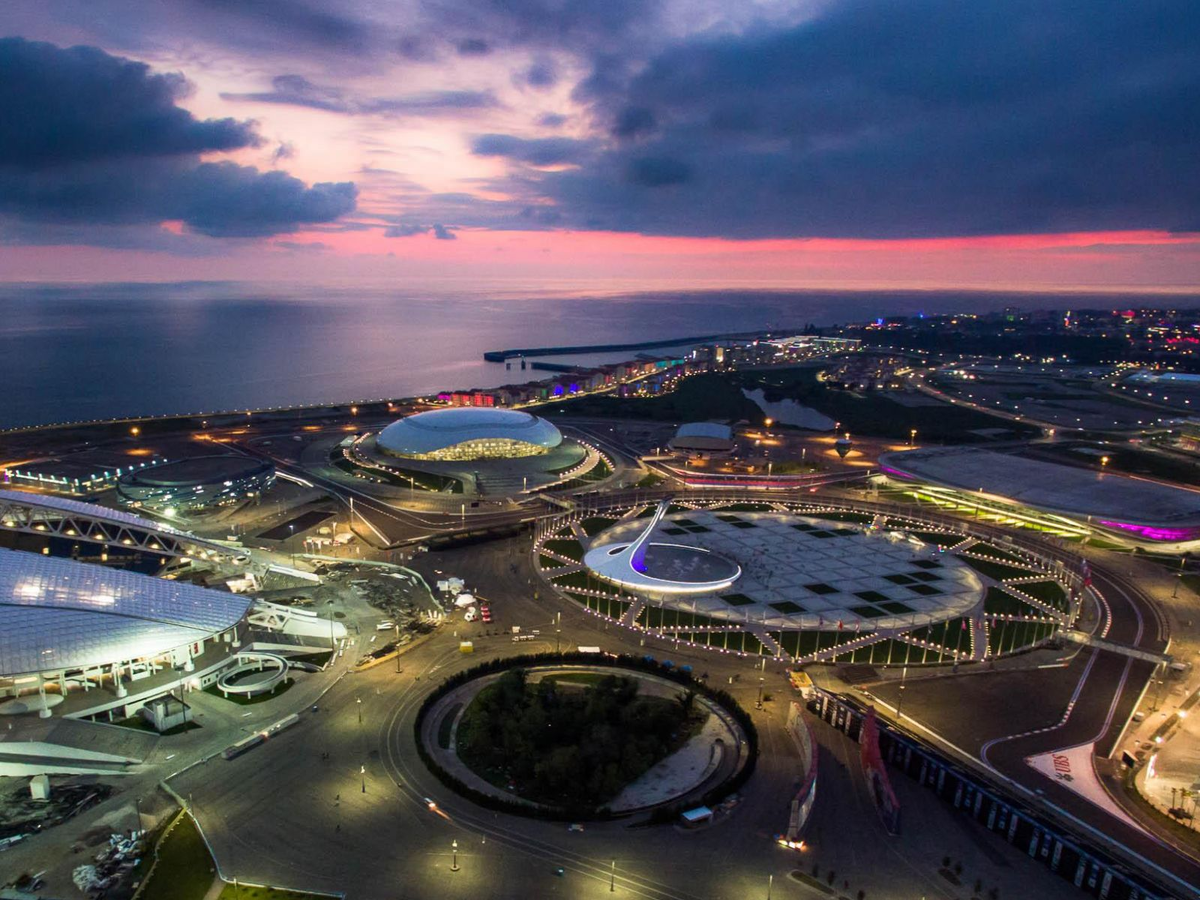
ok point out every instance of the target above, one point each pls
(465, 433)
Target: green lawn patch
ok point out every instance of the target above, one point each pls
(571, 549)
(185, 871)
(658, 617)
(575, 579)
(595, 524)
(549, 562)
(241, 892)
(999, 602)
(1049, 592)
(996, 570)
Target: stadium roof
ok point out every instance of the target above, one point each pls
(438, 429)
(91, 510)
(702, 436)
(1120, 501)
(60, 614)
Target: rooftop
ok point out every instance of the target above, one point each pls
(1112, 498)
(60, 614)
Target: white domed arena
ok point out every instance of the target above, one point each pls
(467, 433)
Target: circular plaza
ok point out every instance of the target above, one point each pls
(806, 582)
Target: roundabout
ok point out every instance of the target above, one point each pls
(637, 737)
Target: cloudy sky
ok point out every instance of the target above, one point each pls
(913, 143)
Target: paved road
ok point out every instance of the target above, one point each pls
(283, 814)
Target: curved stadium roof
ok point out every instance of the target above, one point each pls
(429, 432)
(61, 614)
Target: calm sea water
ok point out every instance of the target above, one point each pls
(70, 353)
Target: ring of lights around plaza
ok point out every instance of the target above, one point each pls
(816, 582)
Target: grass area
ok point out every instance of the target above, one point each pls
(605, 606)
(598, 472)
(1178, 830)
(570, 548)
(996, 570)
(185, 871)
(650, 480)
(1005, 637)
(596, 524)
(710, 395)
(421, 481)
(576, 579)
(446, 726)
(874, 413)
(242, 892)
(658, 617)
(549, 562)
(735, 641)
(242, 700)
(1001, 603)
(996, 553)
(1049, 592)
(316, 659)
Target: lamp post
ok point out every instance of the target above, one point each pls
(759, 703)
(454, 850)
(912, 437)
(397, 649)
(770, 884)
(612, 877)
(358, 703)
(362, 770)
(292, 543)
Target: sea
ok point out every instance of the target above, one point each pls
(82, 352)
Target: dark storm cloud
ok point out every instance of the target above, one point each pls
(80, 104)
(535, 151)
(444, 233)
(551, 120)
(293, 21)
(472, 47)
(879, 119)
(403, 231)
(542, 73)
(102, 143)
(296, 90)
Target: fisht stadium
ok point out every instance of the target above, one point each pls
(466, 433)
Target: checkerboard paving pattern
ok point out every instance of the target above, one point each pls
(805, 572)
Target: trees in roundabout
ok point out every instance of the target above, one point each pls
(580, 736)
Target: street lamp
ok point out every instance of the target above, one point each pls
(454, 850)
(612, 877)
(358, 702)
(292, 543)
(362, 770)
(912, 437)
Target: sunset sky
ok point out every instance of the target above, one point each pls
(604, 143)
